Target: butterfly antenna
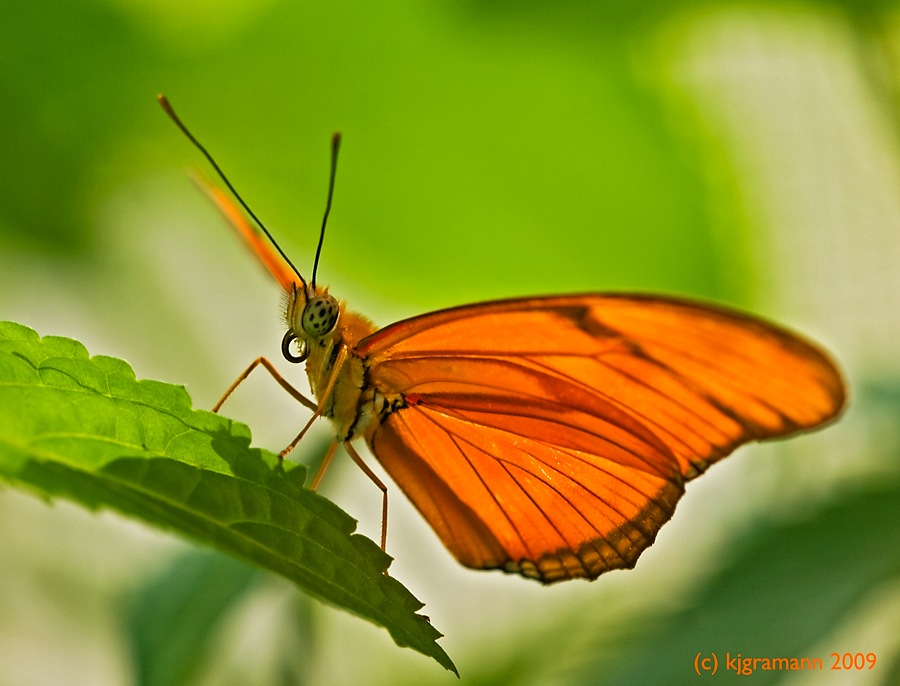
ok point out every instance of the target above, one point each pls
(168, 108)
(335, 146)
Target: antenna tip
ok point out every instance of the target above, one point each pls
(336, 140)
(165, 105)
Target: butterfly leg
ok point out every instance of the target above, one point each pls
(318, 409)
(325, 462)
(378, 482)
(297, 395)
(367, 471)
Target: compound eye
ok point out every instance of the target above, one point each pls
(320, 315)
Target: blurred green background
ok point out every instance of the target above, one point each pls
(740, 152)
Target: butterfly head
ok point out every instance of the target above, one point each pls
(311, 315)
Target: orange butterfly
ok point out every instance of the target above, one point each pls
(548, 436)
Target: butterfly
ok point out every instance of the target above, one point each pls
(548, 436)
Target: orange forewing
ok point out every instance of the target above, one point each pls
(254, 240)
(552, 436)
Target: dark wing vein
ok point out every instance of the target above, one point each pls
(660, 407)
(506, 436)
(750, 429)
(517, 412)
(514, 398)
(532, 553)
(475, 471)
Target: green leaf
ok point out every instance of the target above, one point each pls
(84, 428)
(786, 590)
(173, 618)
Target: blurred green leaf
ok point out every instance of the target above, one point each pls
(791, 585)
(532, 168)
(71, 77)
(173, 618)
(85, 429)
(891, 675)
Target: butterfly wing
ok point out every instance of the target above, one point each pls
(259, 245)
(552, 436)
